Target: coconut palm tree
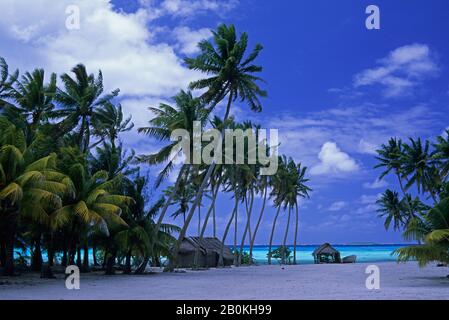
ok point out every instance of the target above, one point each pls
(33, 101)
(6, 82)
(417, 165)
(435, 232)
(92, 204)
(299, 190)
(183, 115)
(80, 99)
(108, 122)
(28, 187)
(441, 154)
(232, 76)
(137, 239)
(278, 193)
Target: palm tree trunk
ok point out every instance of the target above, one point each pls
(143, 265)
(110, 262)
(9, 261)
(2, 252)
(272, 234)
(36, 260)
(184, 171)
(64, 256)
(214, 221)
(247, 227)
(259, 220)
(94, 253)
(199, 195)
(296, 233)
(86, 258)
(228, 226)
(206, 220)
(78, 255)
(128, 263)
(284, 243)
(235, 236)
(199, 219)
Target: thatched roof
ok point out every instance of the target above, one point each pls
(325, 249)
(207, 244)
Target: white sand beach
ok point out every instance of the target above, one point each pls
(338, 281)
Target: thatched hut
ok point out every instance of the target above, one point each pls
(326, 254)
(209, 252)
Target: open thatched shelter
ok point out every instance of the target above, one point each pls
(210, 250)
(326, 254)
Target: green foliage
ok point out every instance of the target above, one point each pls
(244, 256)
(282, 254)
(422, 168)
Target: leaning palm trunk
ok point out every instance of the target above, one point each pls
(284, 243)
(272, 234)
(199, 195)
(214, 222)
(184, 170)
(247, 227)
(141, 268)
(296, 232)
(235, 237)
(259, 220)
(206, 220)
(228, 226)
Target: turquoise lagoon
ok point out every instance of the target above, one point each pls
(364, 253)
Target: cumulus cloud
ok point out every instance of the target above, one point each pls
(333, 161)
(185, 8)
(188, 39)
(337, 206)
(118, 43)
(376, 184)
(399, 72)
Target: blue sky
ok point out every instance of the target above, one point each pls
(336, 90)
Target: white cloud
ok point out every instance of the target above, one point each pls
(358, 130)
(399, 72)
(185, 8)
(333, 161)
(337, 206)
(188, 39)
(123, 45)
(376, 184)
(369, 199)
(367, 147)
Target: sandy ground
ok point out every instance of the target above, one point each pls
(404, 281)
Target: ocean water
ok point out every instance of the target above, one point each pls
(364, 253)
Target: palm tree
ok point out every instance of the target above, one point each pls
(278, 193)
(391, 207)
(6, 82)
(114, 160)
(392, 158)
(441, 154)
(137, 239)
(301, 190)
(417, 164)
(108, 123)
(33, 101)
(232, 76)
(81, 97)
(168, 118)
(435, 232)
(91, 204)
(28, 187)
